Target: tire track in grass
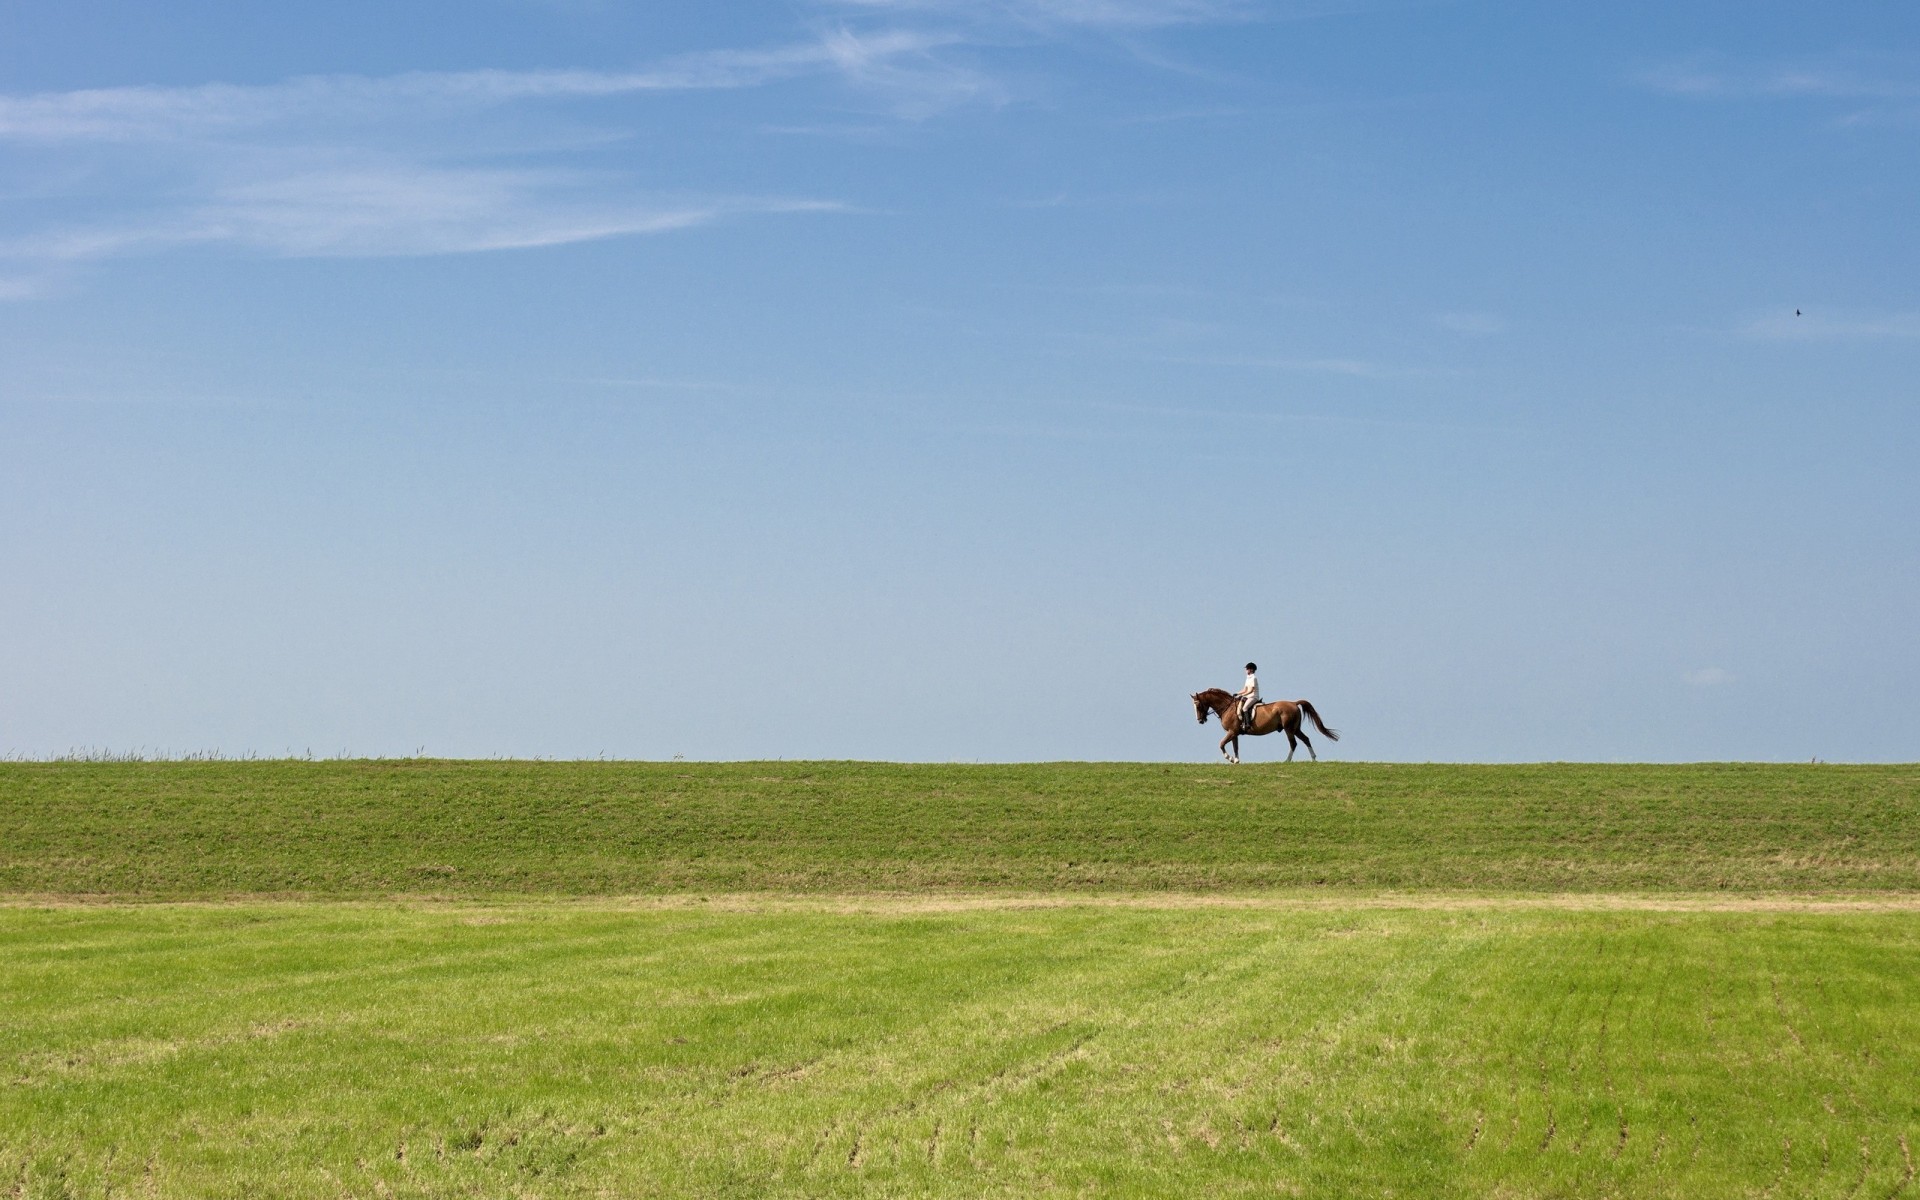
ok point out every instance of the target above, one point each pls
(1780, 1009)
(1513, 1102)
(1170, 1007)
(1285, 1138)
(1359, 1025)
(820, 1142)
(429, 970)
(1815, 1045)
(1012, 1077)
(1786, 1167)
(1026, 1072)
(1397, 976)
(942, 1097)
(1653, 1005)
(594, 948)
(1866, 1166)
(1751, 1038)
(1632, 985)
(1457, 950)
(835, 1069)
(110, 1056)
(1601, 1047)
(1520, 1055)
(1589, 1053)
(1715, 1039)
(1544, 1071)
(1337, 1016)
(1571, 1040)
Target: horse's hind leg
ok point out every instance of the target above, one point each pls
(1309, 742)
(1290, 746)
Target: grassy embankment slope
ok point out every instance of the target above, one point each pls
(1318, 1041)
(510, 828)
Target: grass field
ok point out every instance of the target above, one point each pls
(490, 829)
(553, 980)
(560, 1050)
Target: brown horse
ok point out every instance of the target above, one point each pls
(1281, 716)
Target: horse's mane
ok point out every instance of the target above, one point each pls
(1215, 694)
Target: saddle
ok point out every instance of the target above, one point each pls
(1247, 713)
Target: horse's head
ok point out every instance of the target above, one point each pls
(1201, 709)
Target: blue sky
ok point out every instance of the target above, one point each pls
(908, 379)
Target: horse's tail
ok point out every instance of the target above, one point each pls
(1306, 706)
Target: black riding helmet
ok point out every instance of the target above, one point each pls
(1251, 667)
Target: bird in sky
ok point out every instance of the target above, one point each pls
(1796, 312)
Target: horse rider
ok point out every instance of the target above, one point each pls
(1249, 697)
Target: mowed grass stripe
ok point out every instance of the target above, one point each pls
(572, 1050)
(504, 828)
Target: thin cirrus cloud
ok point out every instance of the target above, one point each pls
(349, 165)
(216, 109)
(1102, 14)
(1119, 17)
(1872, 89)
(375, 211)
(356, 166)
(1717, 78)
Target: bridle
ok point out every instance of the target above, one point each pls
(1202, 709)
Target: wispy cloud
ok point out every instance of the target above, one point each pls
(354, 165)
(886, 59)
(1715, 77)
(1707, 677)
(1872, 88)
(371, 210)
(1833, 327)
(343, 165)
(905, 73)
(392, 211)
(1096, 14)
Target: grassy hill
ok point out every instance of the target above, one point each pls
(504, 828)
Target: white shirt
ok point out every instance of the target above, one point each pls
(1252, 690)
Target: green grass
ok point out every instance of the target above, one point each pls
(553, 1050)
(515, 828)
(1048, 980)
